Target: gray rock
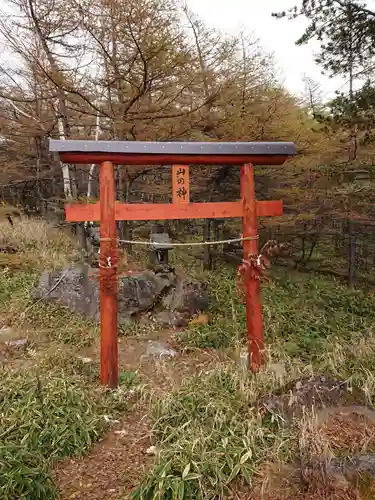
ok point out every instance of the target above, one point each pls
(177, 320)
(180, 320)
(143, 320)
(72, 288)
(93, 234)
(7, 332)
(189, 297)
(139, 293)
(164, 317)
(16, 343)
(159, 350)
(85, 360)
(352, 466)
(307, 393)
(78, 289)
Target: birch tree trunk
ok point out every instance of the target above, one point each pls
(64, 167)
(92, 167)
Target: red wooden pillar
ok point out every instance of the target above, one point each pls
(108, 277)
(252, 285)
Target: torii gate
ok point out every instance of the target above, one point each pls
(179, 155)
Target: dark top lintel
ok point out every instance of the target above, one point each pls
(173, 148)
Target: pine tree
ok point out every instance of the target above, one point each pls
(346, 32)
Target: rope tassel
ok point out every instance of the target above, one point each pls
(258, 265)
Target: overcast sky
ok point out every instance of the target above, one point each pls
(276, 36)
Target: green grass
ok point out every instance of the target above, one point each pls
(51, 404)
(53, 322)
(209, 436)
(301, 314)
(53, 407)
(228, 326)
(24, 474)
(51, 411)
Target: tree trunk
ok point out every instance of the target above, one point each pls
(207, 257)
(351, 256)
(64, 167)
(125, 229)
(70, 185)
(92, 167)
(353, 141)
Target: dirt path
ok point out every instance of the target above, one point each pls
(116, 464)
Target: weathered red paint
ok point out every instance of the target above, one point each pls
(252, 285)
(155, 159)
(108, 277)
(144, 211)
(107, 211)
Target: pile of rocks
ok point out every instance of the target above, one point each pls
(162, 296)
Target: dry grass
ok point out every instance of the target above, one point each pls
(208, 434)
(211, 439)
(350, 433)
(320, 439)
(38, 244)
(313, 441)
(280, 482)
(306, 477)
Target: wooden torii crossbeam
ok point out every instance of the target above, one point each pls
(179, 155)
